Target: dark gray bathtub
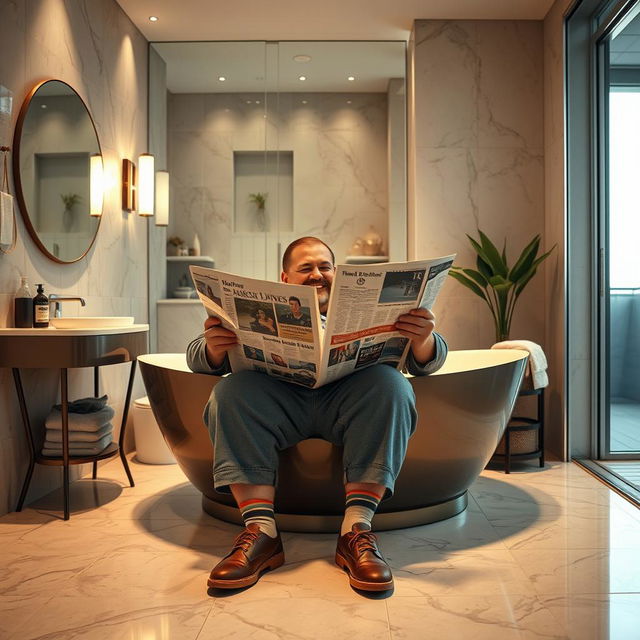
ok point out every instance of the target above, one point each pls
(463, 410)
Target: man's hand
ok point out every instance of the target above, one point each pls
(219, 340)
(418, 326)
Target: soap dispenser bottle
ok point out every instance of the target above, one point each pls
(40, 309)
(23, 306)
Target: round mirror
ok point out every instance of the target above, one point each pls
(53, 143)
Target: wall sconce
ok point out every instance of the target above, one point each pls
(96, 185)
(128, 185)
(146, 185)
(162, 198)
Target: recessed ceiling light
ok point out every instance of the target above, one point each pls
(302, 78)
(351, 78)
(153, 18)
(304, 101)
(221, 78)
(43, 106)
(248, 101)
(348, 101)
(257, 101)
(302, 58)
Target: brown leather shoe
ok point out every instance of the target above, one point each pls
(357, 552)
(253, 552)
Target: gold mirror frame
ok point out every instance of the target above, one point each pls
(17, 178)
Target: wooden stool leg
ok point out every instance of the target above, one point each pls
(541, 427)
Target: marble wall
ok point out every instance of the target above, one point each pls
(339, 144)
(93, 46)
(478, 160)
(481, 149)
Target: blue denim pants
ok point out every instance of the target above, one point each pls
(252, 416)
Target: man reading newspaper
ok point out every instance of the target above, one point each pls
(251, 416)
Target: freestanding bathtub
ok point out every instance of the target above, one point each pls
(463, 410)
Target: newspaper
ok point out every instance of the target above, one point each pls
(281, 332)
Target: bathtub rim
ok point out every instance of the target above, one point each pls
(489, 358)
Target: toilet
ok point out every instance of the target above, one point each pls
(151, 447)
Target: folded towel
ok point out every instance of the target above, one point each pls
(537, 364)
(54, 436)
(79, 445)
(81, 421)
(85, 405)
(7, 220)
(89, 448)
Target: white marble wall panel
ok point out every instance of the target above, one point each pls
(479, 159)
(92, 45)
(179, 322)
(339, 155)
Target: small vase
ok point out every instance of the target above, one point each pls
(196, 245)
(372, 245)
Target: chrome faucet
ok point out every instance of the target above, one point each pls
(56, 300)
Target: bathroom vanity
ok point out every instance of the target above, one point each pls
(63, 349)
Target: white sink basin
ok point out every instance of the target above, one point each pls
(88, 322)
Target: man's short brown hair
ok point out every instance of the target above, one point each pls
(286, 257)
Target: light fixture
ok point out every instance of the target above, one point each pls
(304, 101)
(221, 78)
(351, 78)
(153, 18)
(162, 198)
(302, 78)
(302, 58)
(146, 184)
(128, 185)
(96, 185)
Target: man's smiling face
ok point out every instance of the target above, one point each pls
(311, 264)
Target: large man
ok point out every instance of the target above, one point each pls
(252, 416)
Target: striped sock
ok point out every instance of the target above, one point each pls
(360, 507)
(260, 511)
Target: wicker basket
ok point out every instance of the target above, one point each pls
(520, 441)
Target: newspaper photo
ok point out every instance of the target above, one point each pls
(281, 332)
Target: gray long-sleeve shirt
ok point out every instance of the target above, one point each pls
(197, 359)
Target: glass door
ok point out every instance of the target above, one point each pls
(619, 66)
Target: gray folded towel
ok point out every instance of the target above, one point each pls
(85, 405)
(89, 448)
(54, 436)
(81, 421)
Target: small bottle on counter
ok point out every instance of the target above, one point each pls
(23, 306)
(40, 309)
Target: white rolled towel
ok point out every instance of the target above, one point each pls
(81, 421)
(79, 449)
(54, 436)
(537, 364)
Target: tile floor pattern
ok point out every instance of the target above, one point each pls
(544, 553)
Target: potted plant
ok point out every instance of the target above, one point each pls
(495, 282)
(260, 200)
(174, 244)
(69, 200)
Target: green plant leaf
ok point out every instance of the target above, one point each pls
(477, 276)
(524, 262)
(499, 282)
(504, 252)
(480, 251)
(492, 255)
(520, 285)
(483, 267)
(467, 282)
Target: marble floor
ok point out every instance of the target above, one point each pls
(547, 553)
